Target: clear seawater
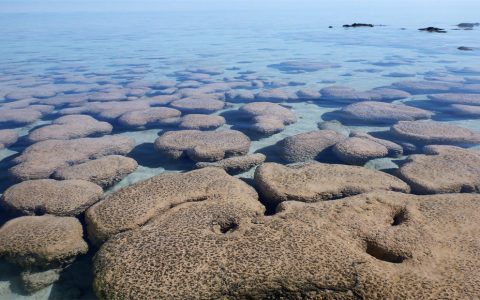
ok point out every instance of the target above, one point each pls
(154, 44)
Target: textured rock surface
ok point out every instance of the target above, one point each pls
(443, 169)
(149, 116)
(272, 96)
(235, 165)
(7, 137)
(425, 86)
(454, 98)
(49, 196)
(380, 112)
(198, 105)
(430, 132)
(70, 127)
(19, 117)
(307, 146)
(203, 145)
(393, 148)
(136, 204)
(309, 94)
(107, 110)
(240, 96)
(104, 171)
(41, 241)
(335, 126)
(40, 160)
(344, 94)
(34, 281)
(373, 246)
(357, 151)
(269, 118)
(465, 110)
(201, 122)
(312, 182)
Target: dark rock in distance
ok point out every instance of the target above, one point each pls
(433, 29)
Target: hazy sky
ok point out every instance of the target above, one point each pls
(469, 7)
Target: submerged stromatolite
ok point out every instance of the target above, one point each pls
(203, 145)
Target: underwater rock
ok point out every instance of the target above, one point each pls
(394, 149)
(240, 96)
(388, 94)
(70, 127)
(344, 94)
(314, 181)
(334, 125)
(61, 100)
(309, 94)
(457, 98)
(442, 169)
(268, 118)
(198, 105)
(163, 84)
(36, 92)
(431, 132)
(205, 70)
(307, 146)
(464, 110)
(33, 281)
(302, 66)
(41, 241)
(202, 145)
(235, 165)
(49, 196)
(357, 151)
(137, 204)
(425, 87)
(201, 122)
(148, 117)
(433, 29)
(107, 110)
(19, 117)
(8, 137)
(379, 245)
(381, 112)
(104, 171)
(40, 160)
(273, 95)
(116, 95)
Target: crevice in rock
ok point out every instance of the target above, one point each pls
(383, 254)
(399, 217)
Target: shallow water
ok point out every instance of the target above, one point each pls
(122, 47)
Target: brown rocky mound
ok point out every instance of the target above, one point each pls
(382, 245)
(235, 165)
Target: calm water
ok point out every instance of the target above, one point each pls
(131, 46)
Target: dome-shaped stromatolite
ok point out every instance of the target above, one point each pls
(149, 116)
(357, 151)
(199, 105)
(70, 127)
(393, 148)
(203, 145)
(443, 169)
(344, 94)
(107, 110)
(104, 171)
(309, 94)
(41, 241)
(381, 112)
(49, 196)
(7, 137)
(19, 117)
(136, 204)
(388, 94)
(334, 125)
(269, 118)
(430, 132)
(235, 165)
(312, 182)
(425, 87)
(307, 146)
(381, 245)
(454, 98)
(240, 96)
(40, 160)
(272, 96)
(201, 122)
(465, 110)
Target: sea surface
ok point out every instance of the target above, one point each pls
(121, 47)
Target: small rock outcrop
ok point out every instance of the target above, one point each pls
(201, 122)
(357, 151)
(104, 171)
(203, 145)
(269, 118)
(307, 146)
(442, 169)
(8, 137)
(149, 116)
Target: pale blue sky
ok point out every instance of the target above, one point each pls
(468, 7)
